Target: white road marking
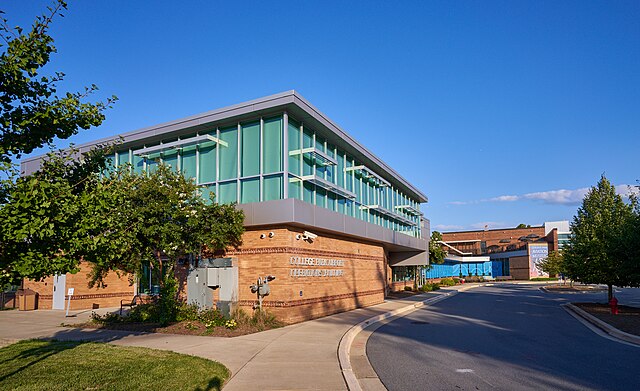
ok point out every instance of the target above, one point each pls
(464, 370)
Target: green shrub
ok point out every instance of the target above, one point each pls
(447, 282)
(187, 312)
(545, 279)
(428, 287)
(212, 317)
(408, 289)
(147, 312)
(111, 317)
(261, 319)
(168, 303)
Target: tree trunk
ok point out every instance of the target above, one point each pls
(610, 286)
(158, 255)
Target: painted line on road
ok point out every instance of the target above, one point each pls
(601, 328)
(344, 348)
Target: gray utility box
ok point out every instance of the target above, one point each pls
(212, 274)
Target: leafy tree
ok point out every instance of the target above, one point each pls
(32, 111)
(70, 210)
(631, 240)
(436, 253)
(523, 226)
(155, 219)
(553, 264)
(40, 222)
(596, 251)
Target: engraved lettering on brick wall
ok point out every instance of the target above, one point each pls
(310, 265)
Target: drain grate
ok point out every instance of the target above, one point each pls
(419, 322)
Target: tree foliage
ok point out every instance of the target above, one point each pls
(157, 218)
(553, 264)
(41, 219)
(598, 249)
(521, 225)
(32, 111)
(436, 253)
(72, 210)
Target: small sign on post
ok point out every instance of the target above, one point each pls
(69, 294)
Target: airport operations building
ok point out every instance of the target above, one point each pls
(331, 221)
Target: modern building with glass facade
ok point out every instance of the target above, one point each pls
(323, 214)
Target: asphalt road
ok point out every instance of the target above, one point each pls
(502, 337)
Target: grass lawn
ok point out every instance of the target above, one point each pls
(55, 365)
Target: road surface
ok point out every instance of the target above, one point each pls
(502, 337)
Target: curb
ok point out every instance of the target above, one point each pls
(604, 326)
(344, 348)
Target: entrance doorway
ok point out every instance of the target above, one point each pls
(59, 285)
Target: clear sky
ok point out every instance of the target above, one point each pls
(502, 112)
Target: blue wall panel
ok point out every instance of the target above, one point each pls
(453, 269)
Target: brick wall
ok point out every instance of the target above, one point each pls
(296, 298)
(362, 268)
(519, 267)
(495, 240)
(116, 288)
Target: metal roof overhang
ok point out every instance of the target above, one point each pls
(468, 259)
(290, 101)
(294, 212)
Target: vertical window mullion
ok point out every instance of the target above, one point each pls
(261, 157)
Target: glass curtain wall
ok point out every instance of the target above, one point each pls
(244, 162)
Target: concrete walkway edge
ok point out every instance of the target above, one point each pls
(344, 348)
(604, 326)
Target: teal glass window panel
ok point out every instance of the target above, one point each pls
(208, 193)
(227, 192)
(272, 187)
(321, 197)
(123, 158)
(349, 176)
(272, 140)
(320, 169)
(320, 143)
(138, 164)
(331, 201)
(110, 163)
(294, 144)
(307, 165)
(295, 188)
(250, 149)
(333, 172)
(170, 158)
(351, 208)
(307, 138)
(294, 164)
(340, 170)
(250, 190)
(152, 164)
(307, 192)
(294, 135)
(342, 207)
(188, 166)
(229, 154)
(207, 162)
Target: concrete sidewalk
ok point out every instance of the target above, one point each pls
(300, 356)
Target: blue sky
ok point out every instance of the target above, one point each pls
(502, 112)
